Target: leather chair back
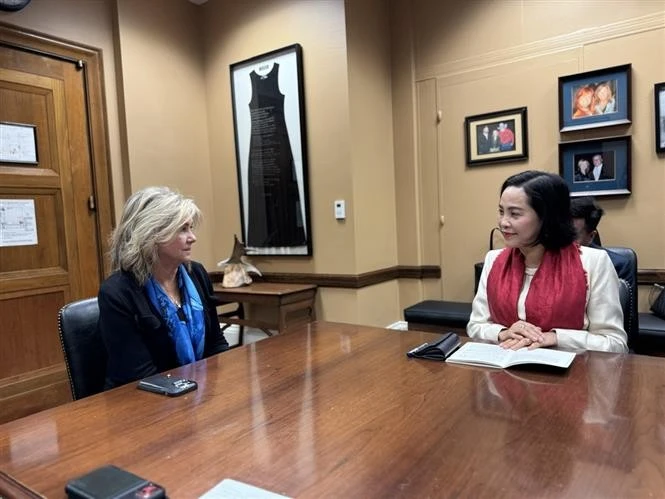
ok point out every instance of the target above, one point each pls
(85, 355)
(625, 299)
(625, 263)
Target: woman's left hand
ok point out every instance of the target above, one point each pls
(549, 340)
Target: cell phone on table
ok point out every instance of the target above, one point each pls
(167, 384)
(111, 482)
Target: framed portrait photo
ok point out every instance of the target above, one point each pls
(271, 152)
(496, 137)
(596, 167)
(659, 95)
(595, 99)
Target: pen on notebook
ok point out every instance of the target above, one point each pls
(419, 348)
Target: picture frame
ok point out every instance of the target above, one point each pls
(611, 155)
(595, 98)
(496, 137)
(659, 110)
(271, 152)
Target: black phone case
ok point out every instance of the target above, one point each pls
(111, 482)
(439, 350)
(166, 384)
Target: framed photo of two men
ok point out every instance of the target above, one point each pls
(595, 99)
(596, 167)
(496, 137)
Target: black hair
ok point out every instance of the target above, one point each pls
(586, 208)
(549, 197)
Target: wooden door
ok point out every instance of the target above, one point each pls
(46, 85)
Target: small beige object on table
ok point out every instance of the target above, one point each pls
(288, 299)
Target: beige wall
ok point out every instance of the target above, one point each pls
(487, 56)
(349, 136)
(237, 31)
(165, 106)
(374, 144)
(170, 119)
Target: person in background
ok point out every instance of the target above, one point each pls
(600, 171)
(604, 102)
(586, 217)
(495, 141)
(543, 289)
(583, 171)
(484, 140)
(583, 102)
(506, 137)
(156, 310)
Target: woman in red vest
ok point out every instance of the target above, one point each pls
(543, 289)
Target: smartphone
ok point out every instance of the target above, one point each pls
(111, 482)
(167, 384)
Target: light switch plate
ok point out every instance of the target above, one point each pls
(340, 209)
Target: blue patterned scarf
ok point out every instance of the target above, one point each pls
(187, 335)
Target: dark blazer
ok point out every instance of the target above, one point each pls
(606, 173)
(483, 143)
(135, 334)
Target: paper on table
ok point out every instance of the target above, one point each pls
(232, 489)
(494, 356)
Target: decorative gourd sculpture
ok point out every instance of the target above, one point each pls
(236, 268)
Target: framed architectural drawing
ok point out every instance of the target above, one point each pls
(271, 152)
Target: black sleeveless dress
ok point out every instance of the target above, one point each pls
(274, 214)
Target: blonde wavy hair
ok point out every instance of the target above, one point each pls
(151, 216)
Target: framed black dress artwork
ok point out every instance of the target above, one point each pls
(271, 153)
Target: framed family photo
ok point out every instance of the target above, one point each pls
(659, 94)
(271, 152)
(496, 137)
(595, 99)
(597, 167)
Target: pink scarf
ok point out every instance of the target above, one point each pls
(556, 297)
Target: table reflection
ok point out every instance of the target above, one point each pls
(578, 416)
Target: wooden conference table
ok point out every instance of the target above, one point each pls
(335, 410)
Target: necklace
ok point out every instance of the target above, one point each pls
(174, 297)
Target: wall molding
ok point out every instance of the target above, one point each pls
(645, 277)
(544, 47)
(349, 281)
(648, 277)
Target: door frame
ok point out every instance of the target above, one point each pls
(89, 60)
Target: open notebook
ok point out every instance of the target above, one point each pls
(483, 354)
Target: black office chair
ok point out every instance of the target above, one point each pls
(626, 299)
(85, 355)
(625, 263)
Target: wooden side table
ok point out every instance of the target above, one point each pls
(288, 299)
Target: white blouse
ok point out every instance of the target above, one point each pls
(603, 317)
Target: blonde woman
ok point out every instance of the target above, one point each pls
(604, 102)
(157, 309)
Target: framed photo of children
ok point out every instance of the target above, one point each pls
(271, 152)
(659, 94)
(595, 99)
(596, 167)
(496, 137)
